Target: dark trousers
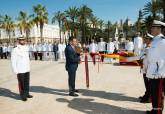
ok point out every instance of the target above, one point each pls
(4, 55)
(35, 55)
(1, 55)
(23, 82)
(40, 56)
(56, 56)
(147, 87)
(102, 57)
(71, 80)
(157, 94)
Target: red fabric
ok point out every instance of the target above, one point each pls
(129, 63)
(160, 99)
(122, 54)
(93, 57)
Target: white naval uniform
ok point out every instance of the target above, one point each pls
(63, 51)
(45, 51)
(110, 50)
(50, 51)
(110, 47)
(101, 46)
(156, 58)
(116, 43)
(30, 46)
(93, 48)
(138, 45)
(9, 50)
(129, 46)
(60, 48)
(4, 49)
(20, 59)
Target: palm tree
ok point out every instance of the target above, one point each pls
(151, 8)
(72, 13)
(108, 28)
(84, 14)
(41, 17)
(25, 23)
(126, 28)
(1, 20)
(148, 22)
(162, 8)
(59, 17)
(8, 24)
(101, 24)
(139, 21)
(94, 24)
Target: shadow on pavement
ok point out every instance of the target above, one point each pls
(108, 95)
(89, 106)
(8, 93)
(42, 89)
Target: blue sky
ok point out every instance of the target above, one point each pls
(113, 10)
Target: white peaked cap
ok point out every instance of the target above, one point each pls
(158, 23)
(21, 37)
(149, 35)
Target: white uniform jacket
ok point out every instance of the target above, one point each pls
(110, 47)
(20, 59)
(129, 46)
(156, 58)
(93, 48)
(101, 46)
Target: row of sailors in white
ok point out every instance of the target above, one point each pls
(47, 50)
(6, 48)
(137, 46)
(101, 46)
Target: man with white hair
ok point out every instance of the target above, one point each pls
(138, 44)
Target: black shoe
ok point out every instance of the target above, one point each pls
(29, 96)
(76, 90)
(73, 94)
(24, 99)
(140, 97)
(148, 112)
(152, 112)
(145, 100)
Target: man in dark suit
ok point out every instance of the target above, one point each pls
(72, 60)
(55, 50)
